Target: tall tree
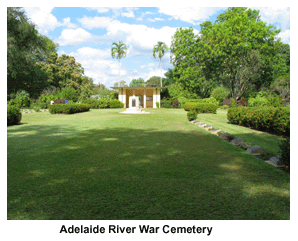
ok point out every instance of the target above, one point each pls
(189, 64)
(137, 83)
(118, 50)
(236, 41)
(160, 48)
(25, 48)
(153, 81)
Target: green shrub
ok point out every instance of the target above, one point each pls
(68, 108)
(284, 146)
(265, 99)
(233, 103)
(116, 104)
(69, 93)
(24, 97)
(44, 100)
(157, 104)
(258, 102)
(192, 115)
(166, 104)
(36, 108)
(14, 115)
(92, 102)
(103, 103)
(270, 119)
(15, 102)
(220, 94)
(225, 107)
(200, 107)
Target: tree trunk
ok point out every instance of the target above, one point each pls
(119, 70)
(160, 72)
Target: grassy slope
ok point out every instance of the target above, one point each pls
(104, 165)
(219, 121)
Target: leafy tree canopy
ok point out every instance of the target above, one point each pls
(137, 83)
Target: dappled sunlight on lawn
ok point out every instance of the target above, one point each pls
(122, 172)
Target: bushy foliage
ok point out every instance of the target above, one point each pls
(270, 119)
(69, 93)
(192, 115)
(210, 100)
(103, 103)
(116, 104)
(15, 102)
(44, 100)
(68, 108)
(220, 94)
(24, 97)
(166, 104)
(176, 104)
(263, 98)
(14, 115)
(200, 107)
(284, 146)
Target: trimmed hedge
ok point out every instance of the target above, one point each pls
(166, 104)
(200, 107)
(103, 103)
(269, 119)
(68, 108)
(14, 115)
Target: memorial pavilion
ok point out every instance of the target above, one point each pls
(139, 97)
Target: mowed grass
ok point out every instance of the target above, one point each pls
(269, 142)
(105, 165)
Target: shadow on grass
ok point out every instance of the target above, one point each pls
(125, 173)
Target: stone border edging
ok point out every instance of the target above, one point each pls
(254, 150)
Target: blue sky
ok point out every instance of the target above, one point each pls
(87, 34)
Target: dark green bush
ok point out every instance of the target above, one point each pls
(284, 146)
(103, 103)
(15, 102)
(68, 108)
(14, 115)
(116, 104)
(210, 100)
(200, 107)
(192, 115)
(269, 119)
(166, 104)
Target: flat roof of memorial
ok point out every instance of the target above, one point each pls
(139, 87)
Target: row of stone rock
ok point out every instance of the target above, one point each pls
(32, 110)
(254, 150)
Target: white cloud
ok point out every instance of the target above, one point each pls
(97, 65)
(96, 22)
(74, 37)
(155, 19)
(189, 14)
(45, 21)
(91, 53)
(100, 9)
(285, 36)
(281, 16)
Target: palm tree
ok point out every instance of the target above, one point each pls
(118, 49)
(161, 48)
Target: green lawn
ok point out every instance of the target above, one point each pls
(105, 165)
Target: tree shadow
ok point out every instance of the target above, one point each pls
(59, 173)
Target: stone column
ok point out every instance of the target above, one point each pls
(124, 97)
(144, 98)
(158, 96)
(154, 98)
